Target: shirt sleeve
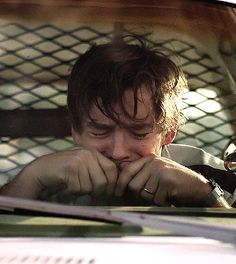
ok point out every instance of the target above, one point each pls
(205, 164)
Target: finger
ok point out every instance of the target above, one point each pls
(97, 176)
(128, 173)
(138, 182)
(72, 182)
(84, 179)
(111, 172)
(161, 197)
(78, 180)
(150, 188)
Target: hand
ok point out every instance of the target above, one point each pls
(165, 181)
(80, 171)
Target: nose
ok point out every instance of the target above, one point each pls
(119, 146)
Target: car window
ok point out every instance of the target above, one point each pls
(38, 49)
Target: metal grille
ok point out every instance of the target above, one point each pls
(34, 64)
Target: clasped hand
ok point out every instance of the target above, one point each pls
(155, 179)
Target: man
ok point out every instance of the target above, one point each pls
(122, 103)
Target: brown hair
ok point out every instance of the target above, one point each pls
(103, 74)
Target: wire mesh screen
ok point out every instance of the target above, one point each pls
(36, 59)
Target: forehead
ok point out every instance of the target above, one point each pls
(144, 107)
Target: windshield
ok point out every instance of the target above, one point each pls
(117, 131)
(39, 45)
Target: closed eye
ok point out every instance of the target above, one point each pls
(99, 133)
(140, 135)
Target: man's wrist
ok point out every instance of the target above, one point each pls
(216, 197)
(24, 185)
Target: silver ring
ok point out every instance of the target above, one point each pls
(147, 191)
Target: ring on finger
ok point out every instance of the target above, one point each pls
(147, 191)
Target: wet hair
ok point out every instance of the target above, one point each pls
(105, 72)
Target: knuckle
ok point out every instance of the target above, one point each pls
(151, 157)
(102, 184)
(158, 164)
(167, 181)
(134, 187)
(71, 168)
(84, 155)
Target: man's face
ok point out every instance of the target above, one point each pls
(127, 141)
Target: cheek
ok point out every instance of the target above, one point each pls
(152, 146)
(146, 148)
(99, 145)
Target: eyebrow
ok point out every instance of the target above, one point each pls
(132, 126)
(97, 125)
(140, 126)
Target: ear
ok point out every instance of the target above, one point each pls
(75, 136)
(168, 138)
